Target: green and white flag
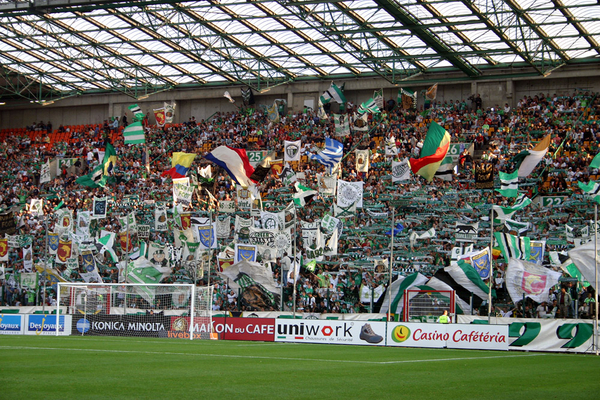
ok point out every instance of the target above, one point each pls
(45, 172)
(138, 114)
(503, 213)
(311, 266)
(107, 240)
(369, 106)
(334, 93)
(414, 236)
(134, 134)
(517, 226)
(527, 160)
(142, 270)
(342, 126)
(303, 194)
(521, 202)
(595, 161)
(344, 212)
(468, 277)
(446, 170)
(513, 246)
(591, 189)
(378, 98)
(509, 184)
(101, 175)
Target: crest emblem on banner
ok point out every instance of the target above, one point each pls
(533, 283)
(481, 263)
(66, 221)
(270, 221)
(100, 207)
(3, 248)
(186, 221)
(282, 240)
(53, 242)
(400, 170)
(123, 241)
(291, 150)
(536, 252)
(206, 235)
(88, 261)
(64, 250)
(245, 252)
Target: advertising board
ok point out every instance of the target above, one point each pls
(261, 329)
(119, 325)
(11, 324)
(330, 332)
(45, 324)
(455, 336)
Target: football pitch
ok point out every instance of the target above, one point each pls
(47, 367)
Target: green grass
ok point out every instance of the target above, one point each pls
(46, 367)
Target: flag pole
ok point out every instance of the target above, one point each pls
(294, 268)
(595, 340)
(391, 265)
(491, 265)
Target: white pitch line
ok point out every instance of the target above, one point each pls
(265, 357)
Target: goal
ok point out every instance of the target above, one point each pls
(137, 310)
(428, 305)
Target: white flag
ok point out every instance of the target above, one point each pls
(45, 173)
(362, 160)
(530, 280)
(349, 193)
(400, 170)
(292, 150)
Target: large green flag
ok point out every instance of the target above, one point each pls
(592, 189)
(138, 114)
(509, 184)
(101, 175)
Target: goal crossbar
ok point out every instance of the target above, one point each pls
(134, 309)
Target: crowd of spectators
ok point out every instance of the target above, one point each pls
(347, 283)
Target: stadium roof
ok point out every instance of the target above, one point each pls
(52, 49)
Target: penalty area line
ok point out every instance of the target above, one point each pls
(167, 353)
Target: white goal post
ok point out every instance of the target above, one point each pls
(428, 305)
(134, 309)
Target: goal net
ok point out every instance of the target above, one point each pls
(137, 310)
(428, 305)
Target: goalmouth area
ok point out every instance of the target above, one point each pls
(89, 367)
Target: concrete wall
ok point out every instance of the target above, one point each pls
(203, 102)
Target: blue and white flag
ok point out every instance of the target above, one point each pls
(331, 155)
